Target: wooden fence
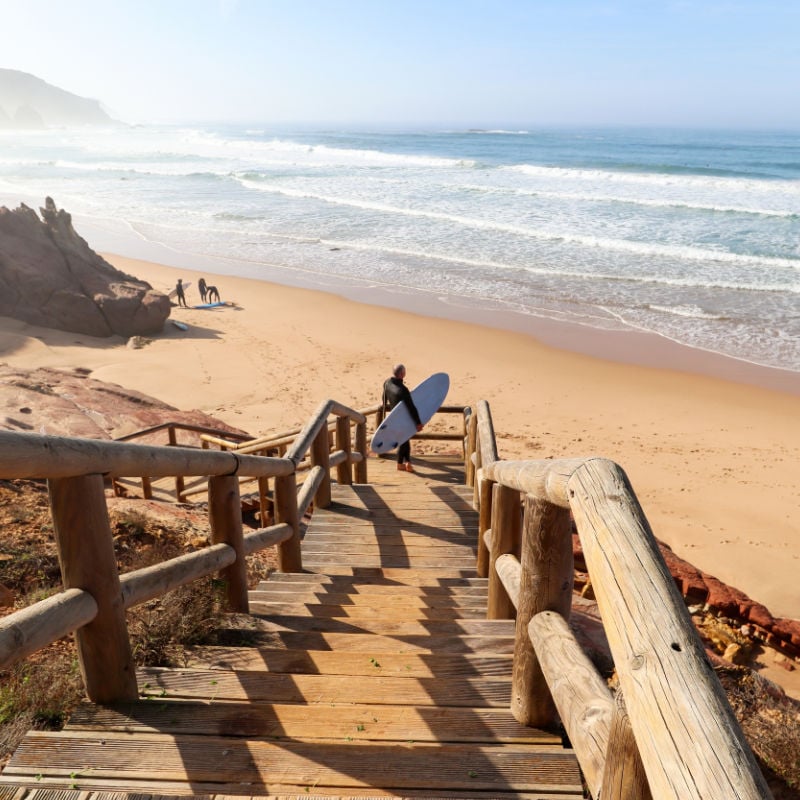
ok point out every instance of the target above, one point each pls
(669, 732)
(95, 597)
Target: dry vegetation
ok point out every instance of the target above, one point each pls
(42, 691)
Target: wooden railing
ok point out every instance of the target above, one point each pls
(669, 732)
(95, 596)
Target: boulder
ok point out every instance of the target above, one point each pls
(50, 276)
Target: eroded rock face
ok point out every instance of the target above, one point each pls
(50, 276)
(69, 403)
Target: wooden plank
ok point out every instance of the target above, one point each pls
(389, 545)
(301, 595)
(389, 553)
(79, 757)
(289, 721)
(437, 528)
(388, 611)
(158, 682)
(350, 642)
(323, 662)
(431, 562)
(113, 789)
(465, 627)
(378, 576)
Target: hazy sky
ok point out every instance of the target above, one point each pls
(419, 62)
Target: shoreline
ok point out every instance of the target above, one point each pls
(636, 347)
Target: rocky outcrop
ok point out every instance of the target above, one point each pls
(70, 403)
(702, 589)
(50, 276)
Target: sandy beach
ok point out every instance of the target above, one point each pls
(713, 462)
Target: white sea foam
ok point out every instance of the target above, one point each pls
(692, 312)
(620, 245)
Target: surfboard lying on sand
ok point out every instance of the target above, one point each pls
(218, 304)
(182, 326)
(399, 427)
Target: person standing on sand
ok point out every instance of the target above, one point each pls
(201, 286)
(395, 391)
(180, 294)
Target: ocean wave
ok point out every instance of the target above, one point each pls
(690, 312)
(495, 132)
(653, 178)
(311, 154)
(682, 252)
(594, 197)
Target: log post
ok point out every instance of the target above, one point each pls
(263, 502)
(476, 494)
(320, 457)
(179, 483)
(225, 518)
(147, 488)
(484, 522)
(361, 447)
(344, 470)
(472, 436)
(546, 581)
(580, 694)
(290, 557)
(86, 554)
(623, 776)
(506, 529)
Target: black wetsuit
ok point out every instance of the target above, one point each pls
(394, 391)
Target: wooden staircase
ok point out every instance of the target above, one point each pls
(373, 674)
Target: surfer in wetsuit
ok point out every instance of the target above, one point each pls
(201, 287)
(395, 391)
(180, 294)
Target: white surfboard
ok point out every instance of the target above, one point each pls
(399, 427)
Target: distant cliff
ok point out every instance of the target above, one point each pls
(29, 102)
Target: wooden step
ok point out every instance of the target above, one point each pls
(384, 627)
(379, 579)
(379, 576)
(325, 662)
(386, 610)
(298, 593)
(314, 561)
(338, 722)
(83, 760)
(480, 691)
(251, 636)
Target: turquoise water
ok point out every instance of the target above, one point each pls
(694, 236)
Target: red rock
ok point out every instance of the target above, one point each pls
(70, 403)
(759, 615)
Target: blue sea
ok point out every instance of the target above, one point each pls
(691, 235)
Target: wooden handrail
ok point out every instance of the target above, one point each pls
(176, 426)
(688, 739)
(31, 455)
